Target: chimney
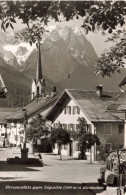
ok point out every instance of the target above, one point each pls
(53, 92)
(99, 89)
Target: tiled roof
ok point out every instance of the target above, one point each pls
(5, 112)
(32, 108)
(94, 106)
(119, 104)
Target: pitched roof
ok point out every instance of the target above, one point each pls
(33, 107)
(93, 106)
(5, 112)
(119, 105)
(123, 82)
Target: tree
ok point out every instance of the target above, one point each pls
(103, 15)
(61, 137)
(36, 129)
(85, 138)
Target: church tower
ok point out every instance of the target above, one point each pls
(38, 84)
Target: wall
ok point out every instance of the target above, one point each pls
(114, 137)
(68, 119)
(3, 130)
(15, 133)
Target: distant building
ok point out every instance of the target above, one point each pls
(92, 105)
(5, 131)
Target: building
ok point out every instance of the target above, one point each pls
(92, 105)
(16, 120)
(119, 107)
(40, 104)
(4, 134)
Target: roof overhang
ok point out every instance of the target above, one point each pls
(60, 105)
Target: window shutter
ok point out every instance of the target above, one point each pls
(69, 110)
(73, 110)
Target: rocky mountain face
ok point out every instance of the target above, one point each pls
(62, 51)
(68, 60)
(17, 84)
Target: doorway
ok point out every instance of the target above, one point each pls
(71, 148)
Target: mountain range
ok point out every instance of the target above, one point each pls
(68, 60)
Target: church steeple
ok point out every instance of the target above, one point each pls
(38, 84)
(39, 66)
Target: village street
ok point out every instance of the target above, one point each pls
(68, 170)
(54, 170)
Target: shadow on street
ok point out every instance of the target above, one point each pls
(9, 167)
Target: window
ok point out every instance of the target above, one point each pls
(77, 127)
(21, 126)
(121, 146)
(65, 147)
(108, 129)
(8, 125)
(56, 125)
(121, 129)
(16, 137)
(108, 147)
(86, 128)
(89, 128)
(21, 139)
(76, 110)
(71, 126)
(64, 126)
(67, 110)
(77, 147)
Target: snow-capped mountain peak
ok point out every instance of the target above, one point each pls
(20, 51)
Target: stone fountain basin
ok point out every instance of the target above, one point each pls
(27, 161)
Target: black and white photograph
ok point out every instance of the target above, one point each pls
(62, 97)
